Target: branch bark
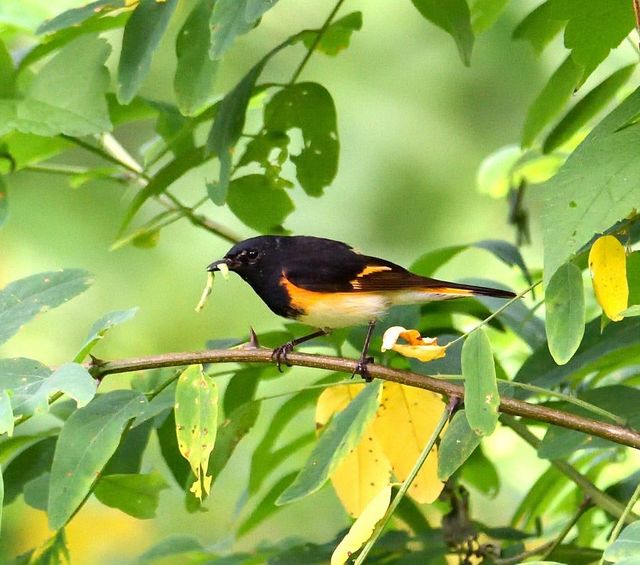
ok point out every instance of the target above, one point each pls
(613, 432)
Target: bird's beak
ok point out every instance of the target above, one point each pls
(215, 266)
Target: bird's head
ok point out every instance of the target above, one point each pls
(248, 256)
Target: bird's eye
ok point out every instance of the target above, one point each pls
(252, 254)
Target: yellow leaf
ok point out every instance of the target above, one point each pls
(404, 423)
(608, 267)
(422, 348)
(365, 470)
(362, 528)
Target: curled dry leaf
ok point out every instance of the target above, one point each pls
(418, 347)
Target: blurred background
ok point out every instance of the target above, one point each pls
(414, 125)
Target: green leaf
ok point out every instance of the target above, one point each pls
(101, 327)
(87, 441)
(26, 466)
(481, 397)
(7, 72)
(127, 458)
(136, 495)
(231, 18)
(36, 492)
(142, 35)
(484, 13)
(480, 472)
(598, 185)
(66, 95)
(593, 28)
(618, 345)
(540, 26)
(22, 300)
(6, 413)
(309, 107)
(631, 311)
(633, 279)
(458, 443)
(453, 17)
(508, 253)
(76, 16)
(263, 461)
(196, 73)
(241, 388)
(230, 432)
(177, 545)
(551, 99)
(587, 108)
(257, 205)
(337, 36)
(340, 436)
(196, 414)
(53, 552)
(626, 547)
(72, 379)
(267, 506)
(565, 315)
(1, 497)
(431, 261)
(170, 451)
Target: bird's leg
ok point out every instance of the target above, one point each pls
(361, 367)
(280, 353)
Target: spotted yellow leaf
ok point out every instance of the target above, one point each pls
(365, 470)
(362, 528)
(403, 425)
(608, 267)
(196, 414)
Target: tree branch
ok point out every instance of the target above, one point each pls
(616, 433)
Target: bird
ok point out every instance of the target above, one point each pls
(327, 284)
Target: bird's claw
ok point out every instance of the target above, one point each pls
(279, 355)
(362, 370)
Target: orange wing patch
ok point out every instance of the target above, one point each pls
(450, 290)
(357, 285)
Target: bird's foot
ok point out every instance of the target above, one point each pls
(279, 354)
(362, 370)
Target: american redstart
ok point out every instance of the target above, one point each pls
(327, 284)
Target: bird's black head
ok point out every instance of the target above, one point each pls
(248, 256)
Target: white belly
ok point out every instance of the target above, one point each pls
(345, 309)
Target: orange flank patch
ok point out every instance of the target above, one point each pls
(335, 309)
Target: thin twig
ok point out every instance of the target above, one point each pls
(624, 518)
(315, 42)
(606, 430)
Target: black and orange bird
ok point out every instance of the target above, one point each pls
(326, 284)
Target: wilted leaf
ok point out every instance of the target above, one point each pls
(411, 414)
(565, 316)
(340, 436)
(87, 441)
(136, 495)
(363, 527)
(608, 268)
(453, 17)
(142, 34)
(196, 72)
(481, 397)
(456, 446)
(196, 413)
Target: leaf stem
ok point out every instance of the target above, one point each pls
(315, 42)
(622, 519)
(453, 402)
